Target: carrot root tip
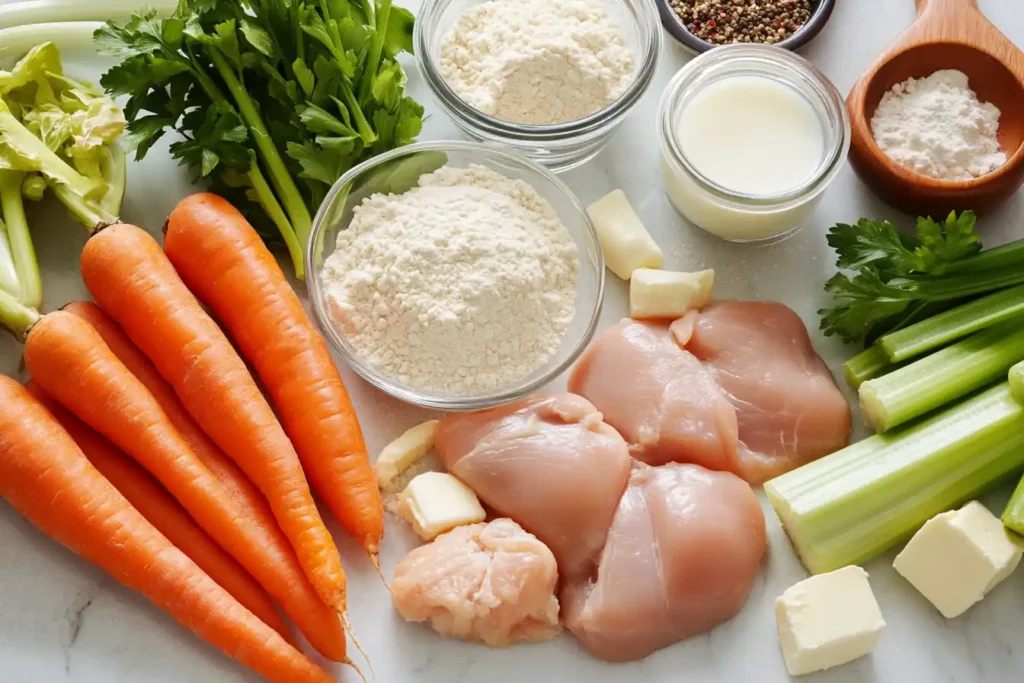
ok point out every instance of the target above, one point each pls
(355, 641)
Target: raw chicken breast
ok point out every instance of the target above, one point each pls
(493, 583)
(550, 463)
(789, 409)
(737, 387)
(658, 396)
(681, 557)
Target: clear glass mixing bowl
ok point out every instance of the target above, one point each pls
(398, 171)
(562, 146)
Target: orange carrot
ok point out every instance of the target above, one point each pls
(318, 622)
(164, 513)
(69, 360)
(132, 280)
(46, 478)
(224, 262)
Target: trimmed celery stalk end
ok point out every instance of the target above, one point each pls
(1017, 382)
(942, 377)
(865, 365)
(1013, 515)
(849, 507)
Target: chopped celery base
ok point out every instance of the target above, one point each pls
(848, 507)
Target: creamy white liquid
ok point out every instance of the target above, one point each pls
(752, 135)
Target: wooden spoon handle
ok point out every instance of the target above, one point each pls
(945, 5)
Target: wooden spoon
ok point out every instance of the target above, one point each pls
(947, 34)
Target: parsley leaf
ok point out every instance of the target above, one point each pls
(279, 94)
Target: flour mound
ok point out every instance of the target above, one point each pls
(537, 62)
(937, 127)
(465, 283)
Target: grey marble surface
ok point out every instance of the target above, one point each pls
(63, 620)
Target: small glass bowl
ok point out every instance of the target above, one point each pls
(562, 146)
(398, 171)
(734, 216)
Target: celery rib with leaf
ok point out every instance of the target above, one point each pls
(850, 506)
(942, 377)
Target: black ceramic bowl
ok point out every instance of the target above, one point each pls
(821, 10)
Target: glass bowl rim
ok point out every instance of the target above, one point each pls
(426, 399)
(458, 108)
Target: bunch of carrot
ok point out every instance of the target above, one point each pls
(144, 444)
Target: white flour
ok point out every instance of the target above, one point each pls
(537, 62)
(465, 283)
(937, 127)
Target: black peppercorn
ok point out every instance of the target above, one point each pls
(742, 21)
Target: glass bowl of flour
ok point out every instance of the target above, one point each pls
(550, 79)
(455, 275)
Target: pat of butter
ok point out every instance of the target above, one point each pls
(957, 557)
(828, 620)
(401, 453)
(436, 502)
(625, 242)
(667, 294)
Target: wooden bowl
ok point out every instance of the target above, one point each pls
(948, 34)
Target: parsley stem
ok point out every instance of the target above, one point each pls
(280, 178)
(273, 209)
(373, 61)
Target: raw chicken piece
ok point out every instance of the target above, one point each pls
(737, 388)
(681, 557)
(550, 463)
(658, 396)
(789, 408)
(493, 583)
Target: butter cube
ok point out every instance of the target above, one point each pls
(401, 453)
(828, 620)
(625, 242)
(667, 294)
(957, 557)
(436, 502)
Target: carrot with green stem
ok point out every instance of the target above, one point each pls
(317, 621)
(224, 262)
(163, 512)
(47, 479)
(70, 362)
(132, 281)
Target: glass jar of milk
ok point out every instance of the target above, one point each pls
(751, 135)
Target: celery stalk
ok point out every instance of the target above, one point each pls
(15, 317)
(8, 272)
(850, 506)
(941, 377)
(1017, 382)
(866, 365)
(953, 324)
(23, 253)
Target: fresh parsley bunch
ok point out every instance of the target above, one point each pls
(273, 99)
(898, 279)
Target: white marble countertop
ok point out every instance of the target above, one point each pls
(64, 620)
